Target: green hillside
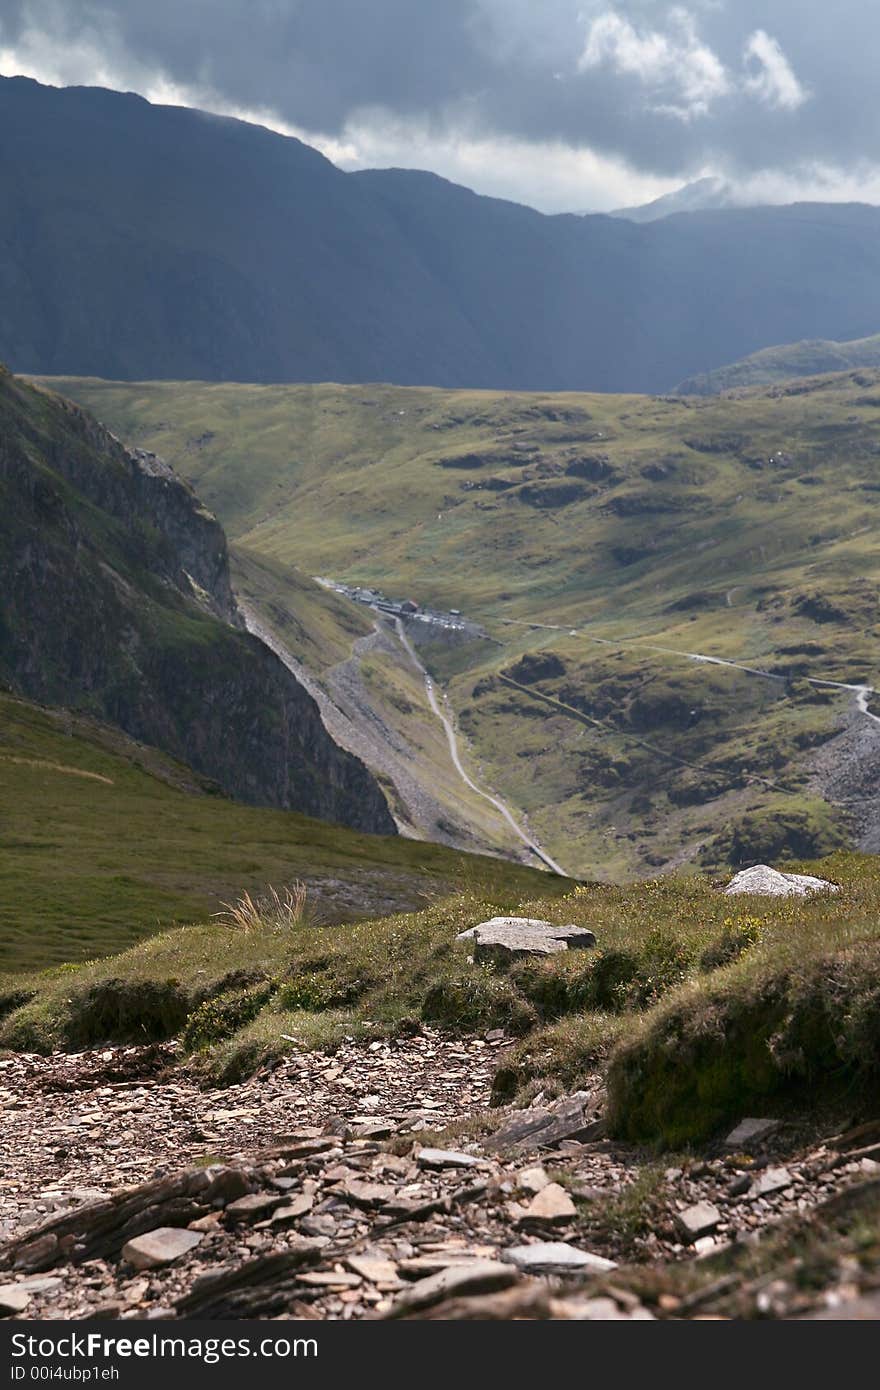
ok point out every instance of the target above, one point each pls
(742, 529)
(809, 358)
(83, 809)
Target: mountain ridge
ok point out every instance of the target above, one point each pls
(788, 362)
(710, 193)
(145, 242)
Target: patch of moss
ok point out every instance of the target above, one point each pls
(718, 1052)
(478, 1001)
(219, 1018)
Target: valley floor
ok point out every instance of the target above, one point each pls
(347, 1212)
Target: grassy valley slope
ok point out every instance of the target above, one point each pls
(603, 542)
(104, 840)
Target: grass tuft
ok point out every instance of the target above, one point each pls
(271, 911)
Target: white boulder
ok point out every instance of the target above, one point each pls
(760, 878)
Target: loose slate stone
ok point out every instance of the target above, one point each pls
(373, 1269)
(555, 1256)
(13, 1299)
(41, 1284)
(477, 1276)
(771, 1180)
(332, 1279)
(378, 1129)
(698, 1220)
(446, 1158)
(366, 1194)
(535, 1129)
(253, 1206)
(750, 1131)
(160, 1247)
(507, 938)
(226, 1184)
(297, 1146)
(532, 1180)
(421, 1266)
(551, 1206)
(37, 1254)
(300, 1206)
(601, 1310)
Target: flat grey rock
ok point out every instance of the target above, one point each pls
(41, 1283)
(506, 938)
(864, 1309)
(569, 1118)
(550, 1206)
(477, 1276)
(160, 1247)
(253, 1206)
(446, 1158)
(13, 1299)
(698, 1220)
(301, 1204)
(750, 1131)
(532, 1180)
(771, 1180)
(767, 882)
(604, 1310)
(549, 1256)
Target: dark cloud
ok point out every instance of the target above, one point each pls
(741, 86)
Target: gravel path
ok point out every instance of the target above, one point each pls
(309, 1191)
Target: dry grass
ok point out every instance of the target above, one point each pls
(272, 911)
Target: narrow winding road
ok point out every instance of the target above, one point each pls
(343, 734)
(452, 740)
(862, 693)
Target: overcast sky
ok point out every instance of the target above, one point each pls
(563, 104)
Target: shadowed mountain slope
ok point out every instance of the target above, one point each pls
(116, 601)
(141, 241)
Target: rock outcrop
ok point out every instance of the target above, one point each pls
(760, 878)
(117, 601)
(503, 939)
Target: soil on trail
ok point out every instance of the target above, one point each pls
(316, 1191)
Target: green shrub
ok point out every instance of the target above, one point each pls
(605, 983)
(546, 985)
(780, 833)
(34, 1027)
(477, 1001)
(736, 938)
(11, 999)
(220, 1017)
(561, 1055)
(316, 989)
(719, 1050)
(664, 962)
(127, 1011)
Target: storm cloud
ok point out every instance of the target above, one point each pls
(562, 103)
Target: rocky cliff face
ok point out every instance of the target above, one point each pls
(116, 599)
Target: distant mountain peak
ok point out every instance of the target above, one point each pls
(704, 195)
